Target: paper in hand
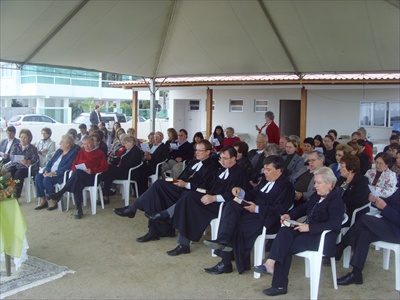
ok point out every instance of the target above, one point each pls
(145, 147)
(17, 158)
(373, 191)
(81, 167)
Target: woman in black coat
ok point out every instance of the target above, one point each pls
(131, 157)
(324, 211)
(354, 186)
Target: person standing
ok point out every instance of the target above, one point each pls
(271, 129)
(95, 117)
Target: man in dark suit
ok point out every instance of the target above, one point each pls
(83, 131)
(7, 144)
(256, 156)
(196, 209)
(159, 200)
(95, 117)
(242, 223)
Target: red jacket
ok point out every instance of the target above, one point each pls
(94, 160)
(229, 141)
(273, 133)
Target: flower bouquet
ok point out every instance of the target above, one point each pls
(7, 184)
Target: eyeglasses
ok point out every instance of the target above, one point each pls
(198, 150)
(224, 158)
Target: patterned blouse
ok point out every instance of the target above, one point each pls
(30, 153)
(386, 184)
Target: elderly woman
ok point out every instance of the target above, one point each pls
(45, 146)
(130, 158)
(341, 150)
(53, 173)
(353, 184)
(293, 161)
(382, 178)
(23, 155)
(117, 142)
(324, 211)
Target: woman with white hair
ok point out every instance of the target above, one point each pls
(270, 128)
(324, 211)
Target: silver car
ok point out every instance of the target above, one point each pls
(33, 119)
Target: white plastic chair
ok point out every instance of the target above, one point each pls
(259, 248)
(313, 260)
(93, 190)
(155, 176)
(29, 184)
(59, 186)
(386, 257)
(214, 224)
(126, 184)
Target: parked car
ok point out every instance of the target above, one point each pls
(3, 123)
(105, 117)
(140, 119)
(32, 119)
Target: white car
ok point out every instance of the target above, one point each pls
(3, 123)
(33, 119)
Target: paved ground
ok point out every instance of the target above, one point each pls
(110, 264)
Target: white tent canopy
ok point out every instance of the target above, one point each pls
(183, 38)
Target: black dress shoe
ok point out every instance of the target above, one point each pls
(147, 238)
(39, 207)
(272, 291)
(78, 214)
(125, 212)
(158, 217)
(219, 268)
(180, 249)
(53, 207)
(56, 196)
(350, 278)
(215, 244)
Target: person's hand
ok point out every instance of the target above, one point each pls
(285, 217)
(208, 199)
(372, 198)
(178, 159)
(257, 128)
(236, 191)
(180, 183)
(251, 208)
(52, 174)
(302, 227)
(89, 171)
(298, 196)
(380, 203)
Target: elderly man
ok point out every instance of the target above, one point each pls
(230, 137)
(303, 180)
(7, 144)
(256, 156)
(196, 209)
(85, 166)
(242, 223)
(159, 200)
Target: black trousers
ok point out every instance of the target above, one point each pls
(110, 175)
(76, 183)
(18, 174)
(366, 230)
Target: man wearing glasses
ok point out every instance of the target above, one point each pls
(159, 200)
(196, 209)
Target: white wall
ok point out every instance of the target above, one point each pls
(328, 107)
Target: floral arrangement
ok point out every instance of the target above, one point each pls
(7, 184)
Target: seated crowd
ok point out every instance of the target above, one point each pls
(319, 179)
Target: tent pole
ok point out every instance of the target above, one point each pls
(152, 104)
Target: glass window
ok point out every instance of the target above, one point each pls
(194, 105)
(260, 105)
(394, 114)
(65, 81)
(28, 79)
(380, 114)
(366, 111)
(45, 79)
(236, 105)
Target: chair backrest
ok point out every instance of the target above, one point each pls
(354, 215)
(133, 168)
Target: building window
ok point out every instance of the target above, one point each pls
(394, 114)
(194, 105)
(260, 105)
(380, 114)
(236, 105)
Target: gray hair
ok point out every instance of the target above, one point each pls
(264, 136)
(327, 175)
(320, 155)
(128, 138)
(270, 115)
(362, 130)
(69, 139)
(295, 137)
(272, 149)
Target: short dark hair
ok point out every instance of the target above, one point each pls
(333, 131)
(361, 142)
(352, 163)
(309, 140)
(47, 130)
(232, 151)
(96, 106)
(275, 160)
(100, 133)
(94, 127)
(206, 144)
(394, 137)
(11, 129)
(328, 136)
(394, 146)
(243, 148)
(385, 156)
(184, 131)
(83, 126)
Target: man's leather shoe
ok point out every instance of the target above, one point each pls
(125, 212)
(78, 214)
(44, 205)
(53, 207)
(215, 244)
(156, 217)
(179, 250)
(56, 196)
(350, 278)
(147, 238)
(272, 291)
(219, 268)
